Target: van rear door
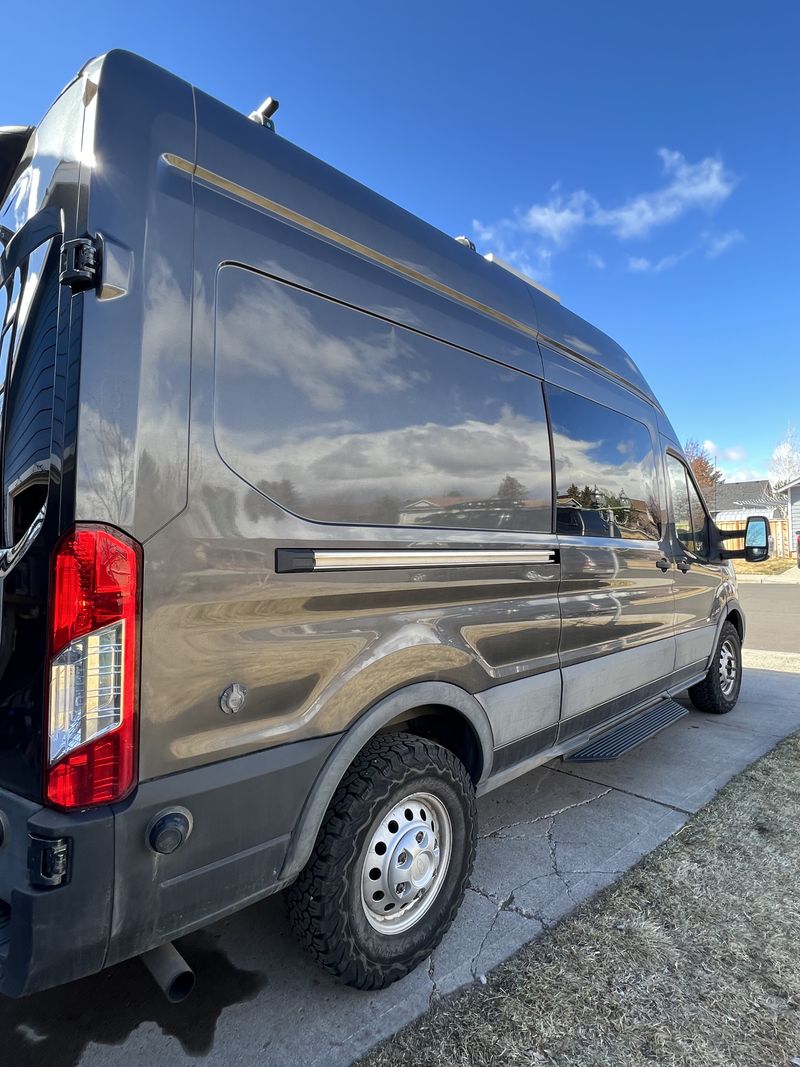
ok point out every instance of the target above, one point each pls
(39, 201)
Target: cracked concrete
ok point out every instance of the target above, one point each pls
(547, 842)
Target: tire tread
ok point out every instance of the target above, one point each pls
(316, 902)
(707, 695)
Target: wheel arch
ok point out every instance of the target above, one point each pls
(733, 613)
(735, 616)
(437, 710)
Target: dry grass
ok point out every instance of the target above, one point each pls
(692, 958)
(776, 565)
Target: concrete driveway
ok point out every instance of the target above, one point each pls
(547, 842)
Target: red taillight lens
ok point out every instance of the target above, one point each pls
(91, 743)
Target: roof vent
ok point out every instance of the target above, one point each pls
(264, 112)
(492, 258)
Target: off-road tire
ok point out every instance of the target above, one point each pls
(709, 694)
(325, 903)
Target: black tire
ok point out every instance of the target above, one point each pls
(325, 904)
(712, 694)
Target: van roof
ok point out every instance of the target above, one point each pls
(396, 237)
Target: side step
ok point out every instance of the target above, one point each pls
(630, 734)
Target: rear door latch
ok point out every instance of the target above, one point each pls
(80, 264)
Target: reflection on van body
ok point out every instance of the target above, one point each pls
(332, 524)
(349, 418)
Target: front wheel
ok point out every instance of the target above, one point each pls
(391, 862)
(719, 690)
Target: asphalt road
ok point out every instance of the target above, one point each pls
(773, 616)
(546, 842)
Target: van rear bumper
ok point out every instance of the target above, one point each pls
(50, 934)
(118, 897)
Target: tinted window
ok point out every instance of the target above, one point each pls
(691, 521)
(699, 520)
(343, 417)
(606, 484)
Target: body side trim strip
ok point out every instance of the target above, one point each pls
(219, 181)
(289, 560)
(319, 228)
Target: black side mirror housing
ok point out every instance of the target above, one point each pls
(756, 539)
(756, 535)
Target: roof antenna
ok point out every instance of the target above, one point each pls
(264, 112)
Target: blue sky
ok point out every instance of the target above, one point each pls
(642, 160)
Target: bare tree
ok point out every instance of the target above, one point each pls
(785, 462)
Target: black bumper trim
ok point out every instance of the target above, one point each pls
(123, 898)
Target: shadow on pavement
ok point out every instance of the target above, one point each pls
(55, 1027)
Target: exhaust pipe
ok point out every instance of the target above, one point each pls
(170, 971)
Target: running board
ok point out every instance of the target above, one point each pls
(630, 734)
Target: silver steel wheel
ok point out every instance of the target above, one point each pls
(728, 667)
(405, 863)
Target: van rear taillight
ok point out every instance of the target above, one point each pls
(94, 623)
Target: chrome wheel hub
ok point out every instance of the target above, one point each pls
(405, 863)
(728, 668)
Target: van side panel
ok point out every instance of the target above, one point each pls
(135, 362)
(617, 605)
(584, 344)
(315, 650)
(233, 150)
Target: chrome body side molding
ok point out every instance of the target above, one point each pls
(292, 561)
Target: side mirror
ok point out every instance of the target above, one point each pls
(756, 539)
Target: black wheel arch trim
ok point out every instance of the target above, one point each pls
(410, 698)
(731, 605)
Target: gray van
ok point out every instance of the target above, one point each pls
(318, 526)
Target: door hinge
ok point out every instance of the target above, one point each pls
(80, 264)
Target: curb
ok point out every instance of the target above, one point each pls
(768, 579)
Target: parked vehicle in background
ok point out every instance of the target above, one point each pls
(232, 659)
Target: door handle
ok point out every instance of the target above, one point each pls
(10, 557)
(683, 565)
(663, 564)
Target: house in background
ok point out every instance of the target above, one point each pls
(792, 490)
(737, 501)
(732, 503)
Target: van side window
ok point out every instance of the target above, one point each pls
(606, 482)
(699, 520)
(691, 520)
(341, 416)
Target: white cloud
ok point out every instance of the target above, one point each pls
(641, 265)
(533, 260)
(743, 474)
(691, 185)
(717, 244)
(560, 217)
(687, 186)
(735, 455)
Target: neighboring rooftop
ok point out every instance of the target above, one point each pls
(736, 496)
